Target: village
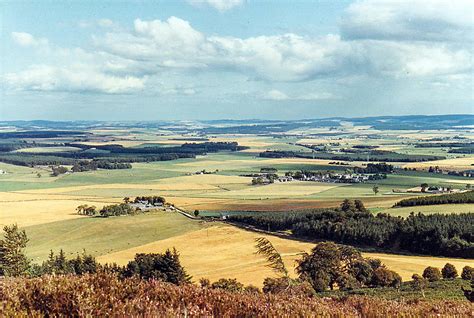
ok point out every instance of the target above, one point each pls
(327, 177)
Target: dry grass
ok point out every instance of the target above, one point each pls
(227, 251)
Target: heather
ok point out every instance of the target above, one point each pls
(106, 295)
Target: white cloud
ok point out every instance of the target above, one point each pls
(124, 61)
(105, 23)
(28, 40)
(72, 79)
(277, 95)
(220, 5)
(427, 20)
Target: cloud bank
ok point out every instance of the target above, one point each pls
(378, 39)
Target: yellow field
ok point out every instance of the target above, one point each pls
(226, 251)
(463, 163)
(47, 149)
(32, 212)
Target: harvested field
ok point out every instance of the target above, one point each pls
(227, 251)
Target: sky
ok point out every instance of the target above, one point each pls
(234, 59)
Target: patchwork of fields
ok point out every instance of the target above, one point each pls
(45, 205)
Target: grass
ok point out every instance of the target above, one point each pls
(100, 236)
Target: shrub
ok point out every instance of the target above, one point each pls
(383, 277)
(432, 274)
(418, 283)
(229, 284)
(467, 273)
(449, 271)
(275, 285)
(252, 289)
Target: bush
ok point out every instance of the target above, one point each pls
(432, 274)
(449, 271)
(383, 277)
(467, 273)
(275, 285)
(229, 284)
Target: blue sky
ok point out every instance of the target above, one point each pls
(209, 59)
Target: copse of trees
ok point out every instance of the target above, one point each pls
(81, 166)
(153, 200)
(436, 234)
(451, 198)
(375, 168)
(330, 265)
(375, 155)
(165, 267)
(116, 210)
(60, 265)
(58, 170)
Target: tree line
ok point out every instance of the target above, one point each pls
(436, 234)
(450, 198)
(379, 155)
(111, 155)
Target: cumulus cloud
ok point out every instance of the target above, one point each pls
(28, 40)
(426, 20)
(174, 43)
(220, 5)
(385, 38)
(72, 79)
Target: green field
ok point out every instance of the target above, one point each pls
(100, 236)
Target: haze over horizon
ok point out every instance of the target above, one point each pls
(235, 59)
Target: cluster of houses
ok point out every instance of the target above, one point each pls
(324, 177)
(202, 172)
(337, 177)
(433, 190)
(145, 205)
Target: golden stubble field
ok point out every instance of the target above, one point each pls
(227, 251)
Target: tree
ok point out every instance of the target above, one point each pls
(432, 274)
(375, 189)
(275, 262)
(196, 213)
(449, 271)
(327, 265)
(38, 175)
(418, 283)
(13, 261)
(467, 273)
(424, 186)
(348, 205)
(126, 200)
(165, 267)
(359, 205)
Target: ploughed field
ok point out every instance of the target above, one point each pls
(44, 205)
